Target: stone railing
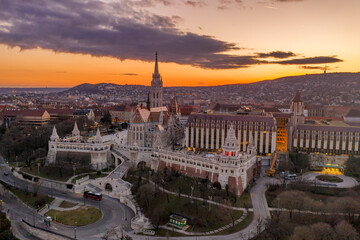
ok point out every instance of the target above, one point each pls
(81, 180)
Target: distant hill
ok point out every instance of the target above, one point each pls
(330, 88)
(31, 90)
(101, 88)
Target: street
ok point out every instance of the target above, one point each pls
(113, 211)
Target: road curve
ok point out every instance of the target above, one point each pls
(113, 211)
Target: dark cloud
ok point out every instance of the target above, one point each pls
(311, 67)
(317, 67)
(276, 54)
(228, 4)
(195, 3)
(311, 60)
(129, 74)
(120, 30)
(123, 74)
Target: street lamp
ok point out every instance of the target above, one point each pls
(74, 168)
(125, 202)
(75, 226)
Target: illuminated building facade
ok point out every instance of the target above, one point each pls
(207, 132)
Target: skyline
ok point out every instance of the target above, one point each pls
(43, 44)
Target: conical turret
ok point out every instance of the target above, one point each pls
(98, 138)
(75, 131)
(54, 136)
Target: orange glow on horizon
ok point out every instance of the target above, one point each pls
(45, 68)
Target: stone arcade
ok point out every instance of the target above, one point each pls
(97, 147)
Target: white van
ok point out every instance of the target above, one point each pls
(291, 176)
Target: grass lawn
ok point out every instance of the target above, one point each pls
(37, 201)
(55, 173)
(329, 178)
(243, 224)
(236, 215)
(91, 176)
(78, 217)
(66, 204)
(168, 233)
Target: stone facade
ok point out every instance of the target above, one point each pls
(231, 167)
(208, 131)
(97, 147)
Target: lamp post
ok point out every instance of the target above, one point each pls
(38, 165)
(74, 168)
(75, 226)
(192, 190)
(34, 217)
(125, 202)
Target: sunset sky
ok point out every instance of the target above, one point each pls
(52, 43)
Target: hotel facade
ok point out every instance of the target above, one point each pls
(207, 132)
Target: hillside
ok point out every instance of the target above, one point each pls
(331, 88)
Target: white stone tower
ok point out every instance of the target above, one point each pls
(54, 138)
(156, 90)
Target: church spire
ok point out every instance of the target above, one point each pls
(156, 73)
(156, 90)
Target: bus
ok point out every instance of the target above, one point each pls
(93, 195)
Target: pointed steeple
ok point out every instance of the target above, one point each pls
(297, 97)
(174, 107)
(98, 138)
(156, 71)
(54, 135)
(156, 90)
(156, 74)
(75, 131)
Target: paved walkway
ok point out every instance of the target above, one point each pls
(55, 205)
(312, 212)
(348, 182)
(207, 233)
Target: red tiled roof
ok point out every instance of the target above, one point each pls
(64, 111)
(37, 113)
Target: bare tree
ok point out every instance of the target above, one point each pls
(344, 230)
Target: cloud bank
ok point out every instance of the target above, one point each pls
(123, 30)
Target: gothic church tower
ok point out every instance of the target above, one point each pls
(156, 90)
